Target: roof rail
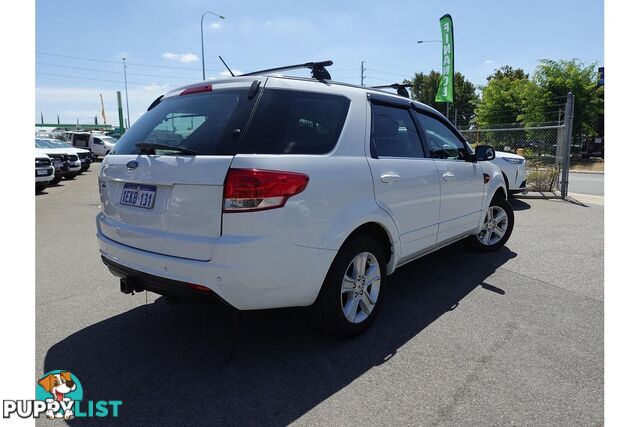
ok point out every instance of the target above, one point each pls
(318, 70)
(399, 87)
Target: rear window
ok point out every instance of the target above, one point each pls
(204, 123)
(295, 122)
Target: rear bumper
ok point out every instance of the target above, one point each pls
(140, 281)
(248, 274)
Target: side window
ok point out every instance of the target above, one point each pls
(295, 122)
(444, 143)
(97, 141)
(393, 133)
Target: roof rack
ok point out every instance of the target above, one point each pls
(399, 87)
(318, 70)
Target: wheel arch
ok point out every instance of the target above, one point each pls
(382, 235)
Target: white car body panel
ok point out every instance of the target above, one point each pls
(280, 257)
(516, 173)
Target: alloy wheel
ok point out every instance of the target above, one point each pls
(495, 226)
(360, 287)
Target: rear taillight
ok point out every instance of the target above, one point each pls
(248, 190)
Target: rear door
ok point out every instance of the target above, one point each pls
(405, 180)
(461, 180)
(169, 200)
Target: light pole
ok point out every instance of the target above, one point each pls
(126, 90)
(202, 36)
(435, 41)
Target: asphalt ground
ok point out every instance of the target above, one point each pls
(513, 337)
(586, 183)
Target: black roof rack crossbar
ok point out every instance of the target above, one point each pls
(318, 70)
(399, 87)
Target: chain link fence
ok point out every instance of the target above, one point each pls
(538, 144)
(546, 148)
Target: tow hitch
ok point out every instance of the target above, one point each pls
(129, 285)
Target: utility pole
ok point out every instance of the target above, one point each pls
(362, 70)
(126, 90)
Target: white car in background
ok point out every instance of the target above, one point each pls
(513, 169)
(71, 165)
(85, 156)
(45, 172)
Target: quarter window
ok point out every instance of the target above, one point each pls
(444, 143)
(394, 134)
(295, 122)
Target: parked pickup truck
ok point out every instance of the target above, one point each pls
(99, 144)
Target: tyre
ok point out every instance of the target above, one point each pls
(353, 289)
(56, 180)
(40, 187)
(496, 229)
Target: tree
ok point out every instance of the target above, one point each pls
(507, 72)
(555, 79)
(465, 98)
(503, 97)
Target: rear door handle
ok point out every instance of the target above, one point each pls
(448, 176)
(389, 177)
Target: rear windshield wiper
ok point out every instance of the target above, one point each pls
(145, 146)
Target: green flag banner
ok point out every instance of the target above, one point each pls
(445, 89)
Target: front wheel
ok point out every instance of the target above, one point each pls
(352, 292)
(496, 228)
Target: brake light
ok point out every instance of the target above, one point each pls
(198, 288)
(197, 89)
(247, 190)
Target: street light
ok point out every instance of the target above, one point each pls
(202, 36)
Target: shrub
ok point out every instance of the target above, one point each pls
(542, 179)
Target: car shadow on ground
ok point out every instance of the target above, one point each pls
(519, 204)
(167, 363)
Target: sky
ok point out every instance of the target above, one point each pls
(80, 44)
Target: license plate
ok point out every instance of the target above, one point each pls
(138, 195)
(42, 172)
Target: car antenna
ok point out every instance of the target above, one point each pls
(225, 64)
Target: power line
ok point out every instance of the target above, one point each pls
(110, 72)
(118, 62)
(86, 78)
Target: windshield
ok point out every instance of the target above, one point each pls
(108, 139)
(209, 123)
(43, 143)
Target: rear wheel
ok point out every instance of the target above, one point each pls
(353, 290)
(496, 228)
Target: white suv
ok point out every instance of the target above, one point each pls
(271, 191)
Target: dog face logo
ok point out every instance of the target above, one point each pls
(58, 384)
(59, 389)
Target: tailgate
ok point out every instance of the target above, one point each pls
(184, 219)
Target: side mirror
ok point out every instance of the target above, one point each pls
(485, 152)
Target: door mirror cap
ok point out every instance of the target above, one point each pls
(485, 152)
